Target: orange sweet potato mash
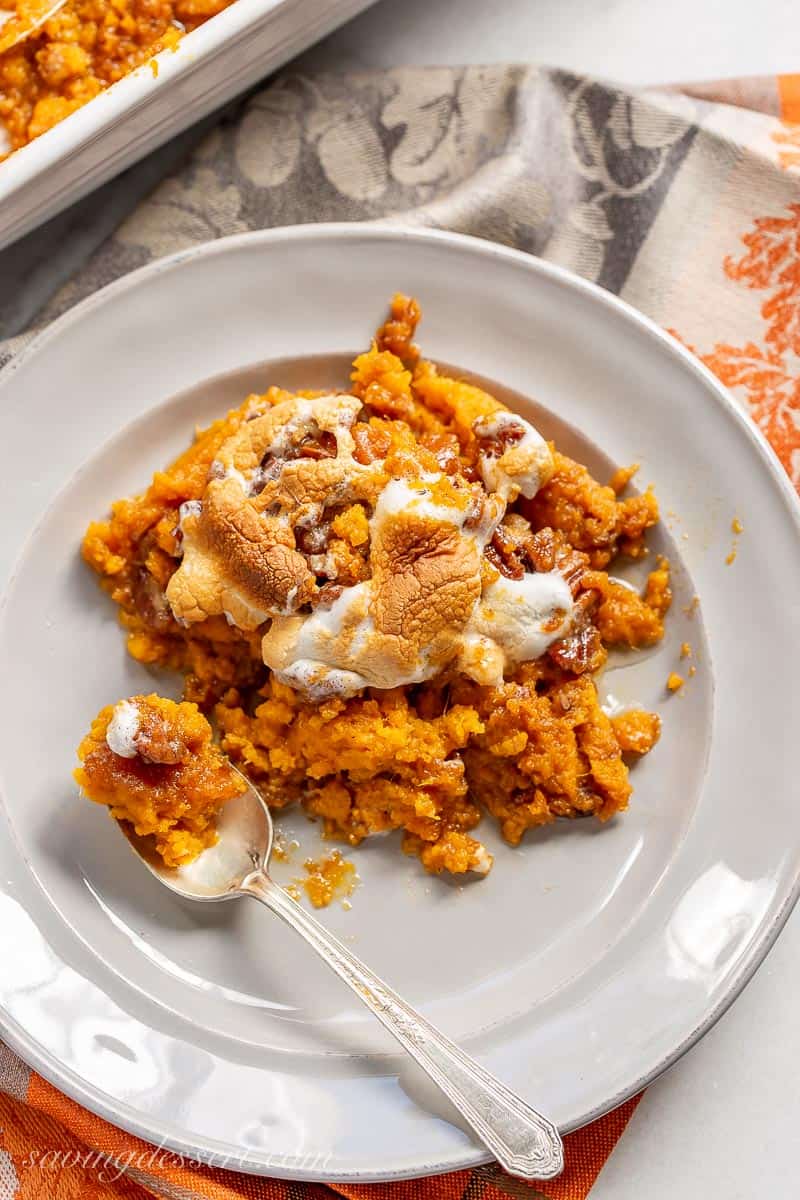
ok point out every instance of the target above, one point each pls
(172, 787)
(82, 50)
(434, 757)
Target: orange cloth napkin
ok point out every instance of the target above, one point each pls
(52, 1149)
(709, 245)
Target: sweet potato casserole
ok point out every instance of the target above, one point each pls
(84, 48)
(394, 601)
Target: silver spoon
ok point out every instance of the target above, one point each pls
(523, 1142)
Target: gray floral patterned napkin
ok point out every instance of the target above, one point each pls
(684, 202)
(650, 194)
(654, 195)
(618, 186)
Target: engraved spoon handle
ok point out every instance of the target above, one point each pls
(522, 1141)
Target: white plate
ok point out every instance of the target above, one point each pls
(591, 957)
(217, 61)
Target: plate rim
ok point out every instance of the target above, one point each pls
(129, 1118)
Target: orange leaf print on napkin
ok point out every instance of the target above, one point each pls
(767, 375)
(788, 139)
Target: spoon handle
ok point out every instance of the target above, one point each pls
(523, 1142)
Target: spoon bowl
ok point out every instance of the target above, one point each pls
(243, 846)
(524, 1142)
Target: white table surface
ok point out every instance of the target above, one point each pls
(724, 1122)
(635, 41)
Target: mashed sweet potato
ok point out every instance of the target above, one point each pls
(82, 50)
(171, 780)
(430, 758)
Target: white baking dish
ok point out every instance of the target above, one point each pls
(225, 56)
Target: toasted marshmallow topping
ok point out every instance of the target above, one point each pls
(189, 508)
(482, 862)
(515, 621)
(514, 456)
(425, 605)
(239, 551)
(400, 626)
(123, 729)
